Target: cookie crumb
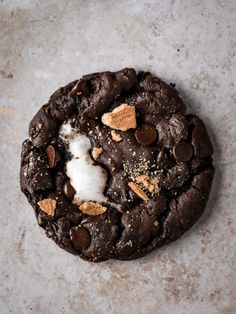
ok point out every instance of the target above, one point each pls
(92, 208)
(121, 118)
(137, 190)
(116, 136)
(48, 205)
(96, 152)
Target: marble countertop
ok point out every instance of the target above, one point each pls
(46, 44)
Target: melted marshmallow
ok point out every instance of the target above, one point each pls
(87, 179)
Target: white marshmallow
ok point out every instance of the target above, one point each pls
(87, 179)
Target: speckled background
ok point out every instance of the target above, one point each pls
(46, 44)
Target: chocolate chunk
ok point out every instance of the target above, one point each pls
(183, 151)
(69, 190)
(51, 153)
(146, 134)
(80, 238)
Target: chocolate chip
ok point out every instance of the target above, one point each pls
(80, 237)
(51, 153)
(146, 134)
(69, 190)
(54, 155)
(183, 151)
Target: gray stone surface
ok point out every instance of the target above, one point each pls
(45, 44)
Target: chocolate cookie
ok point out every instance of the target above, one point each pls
(113, 166)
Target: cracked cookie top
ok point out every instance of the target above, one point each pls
(113, 166)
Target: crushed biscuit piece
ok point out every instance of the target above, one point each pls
(48, 205)
(154, 181)
(96, 152)
(92, 208)
(144, 180)
(121, 118)
(136, 189)
(148, 183)
(153, 187)
(116, 136)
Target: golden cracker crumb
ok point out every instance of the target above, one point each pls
(154, 181)
(116, 136)
(48, 205)
(144, 180)
(121, 118)
(92, 208)
(136, 189)
(96, 152)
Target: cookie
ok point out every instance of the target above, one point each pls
(114, 167)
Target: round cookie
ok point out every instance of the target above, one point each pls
(113, 166)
